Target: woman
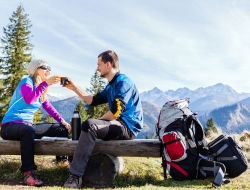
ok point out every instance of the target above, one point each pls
(17, 124)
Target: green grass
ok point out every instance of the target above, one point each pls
(139, 173)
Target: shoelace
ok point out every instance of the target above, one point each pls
(33, 175)
(72, 177)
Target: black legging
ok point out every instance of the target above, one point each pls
(50, 130)
(26, 134)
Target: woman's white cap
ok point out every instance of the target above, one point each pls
(33, 65)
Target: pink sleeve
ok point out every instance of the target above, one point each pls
(30, 95)
(47, 106)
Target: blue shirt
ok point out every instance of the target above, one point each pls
(123, 100)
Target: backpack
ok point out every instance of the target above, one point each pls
(226, 150)
(183, 145)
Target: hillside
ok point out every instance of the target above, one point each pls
(231, 119)
(150, 116)
(66, 107)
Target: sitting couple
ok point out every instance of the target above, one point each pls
(123, 121)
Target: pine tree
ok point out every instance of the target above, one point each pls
(211, 127)
(38, 116)
(82, 110)
(16, 54)
(97, 85)
(154, 135)
(1, 84)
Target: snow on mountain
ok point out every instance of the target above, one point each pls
(152, 95)
(201, 99)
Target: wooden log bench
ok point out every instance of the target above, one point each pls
(105, 162)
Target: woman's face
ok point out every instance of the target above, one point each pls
(43, 71)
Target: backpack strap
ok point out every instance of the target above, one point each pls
(184, 127)
(197, 169)
(163, 162)
(188, 133)
(164, 165)
(196, 133)
(218, 180)
(207, 157)
(218, 152)
(177, 167)
(226, 158)
(191, 131)
(212, 168)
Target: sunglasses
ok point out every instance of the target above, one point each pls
(45, 67)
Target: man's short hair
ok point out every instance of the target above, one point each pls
(110, 56)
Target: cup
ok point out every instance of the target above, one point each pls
(64, 81)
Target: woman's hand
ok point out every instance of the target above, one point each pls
(52, 80)
(67, 125)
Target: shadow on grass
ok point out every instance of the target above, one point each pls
(57, 175)
(126, 180)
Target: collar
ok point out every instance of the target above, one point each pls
(113, 79)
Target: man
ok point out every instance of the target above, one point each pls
(123, 121)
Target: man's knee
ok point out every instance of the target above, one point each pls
(86, 124)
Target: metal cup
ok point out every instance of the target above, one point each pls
(64, 81)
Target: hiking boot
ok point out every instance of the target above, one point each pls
(73, 181)
(65, 163)
(62, 159)
(30, 178)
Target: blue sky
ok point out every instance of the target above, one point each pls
(161, 43)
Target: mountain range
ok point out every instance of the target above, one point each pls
(201, 99)
(230, 110)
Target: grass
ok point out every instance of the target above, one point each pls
(139, 173)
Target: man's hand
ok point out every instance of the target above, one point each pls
(70, 85)
(84, 95)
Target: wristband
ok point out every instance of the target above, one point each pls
(63, 121)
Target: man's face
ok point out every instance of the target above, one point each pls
(103, 68)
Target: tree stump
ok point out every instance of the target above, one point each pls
(102, 169)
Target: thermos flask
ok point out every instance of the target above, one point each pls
(76, 125)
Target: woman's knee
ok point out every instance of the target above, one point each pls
(27, 130)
